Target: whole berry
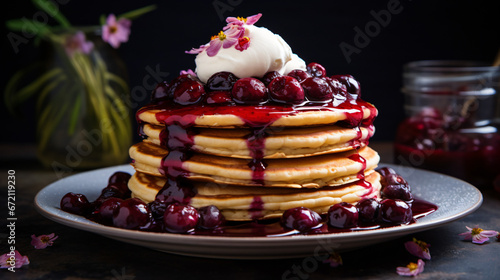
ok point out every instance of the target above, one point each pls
(221, 81)
(75, 203)
(300, 218)
(317, 89)
(269, 76)
(188, 92)
(157, 208)
(180, 218)
(119, 190)
(210, 217)
(368, 210)
(395, 187)
(299, 75)
(133, 213)
(107, 209)
(218, 97)
(249, 91)
(339, 90)
(384, 171)
(119, 177)
(161, 92)
(343, 215)
(352, 86)
(286, 89)
(316, 69)
(395, 211)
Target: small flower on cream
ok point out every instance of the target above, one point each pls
(418, 248)
(412, 269)
(42, 241)
(478, 235)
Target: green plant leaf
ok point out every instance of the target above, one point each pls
(27, 26)
(102, 19)
(137, 13)
(52, 10)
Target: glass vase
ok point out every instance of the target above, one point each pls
(83, 118)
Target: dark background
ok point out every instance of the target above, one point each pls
(467, 30)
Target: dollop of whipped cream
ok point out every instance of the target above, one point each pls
(266, 52)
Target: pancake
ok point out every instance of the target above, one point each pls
(230, 117)
(239, 203)
(308, 172)
(280, 142)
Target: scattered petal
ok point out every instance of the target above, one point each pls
(15, 260)
(478, 235)
(334, 260)
(418, 248)
(77, 43)
(42, 241)
(115, 31)
(412, 269)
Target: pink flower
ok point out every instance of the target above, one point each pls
(241, 20)
(478, 235)
(334, 260)
(412, 269)
(198, 50)
(16, 260)
(188, 72)
(243, 43)
(116, 32)
(224, 40)
(77, 43)
(418, 248)
(42, 241)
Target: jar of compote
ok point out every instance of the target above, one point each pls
(452, 123)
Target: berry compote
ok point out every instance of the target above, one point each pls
(451, 126)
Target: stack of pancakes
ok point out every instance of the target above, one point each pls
(307, 159)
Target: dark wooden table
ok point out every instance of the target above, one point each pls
(78, 254)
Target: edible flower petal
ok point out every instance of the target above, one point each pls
(197, 50)
(222, 40)
(77, 43)
(243, 43)
(412, 269)
(42, 241)
(334, 260)
(115, 31)
(17, 260)
(188, 72)
(478, 235)
(418, 248)
(241, 20)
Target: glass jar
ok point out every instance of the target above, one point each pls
(452, 120)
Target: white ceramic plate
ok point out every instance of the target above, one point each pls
(455, 199)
